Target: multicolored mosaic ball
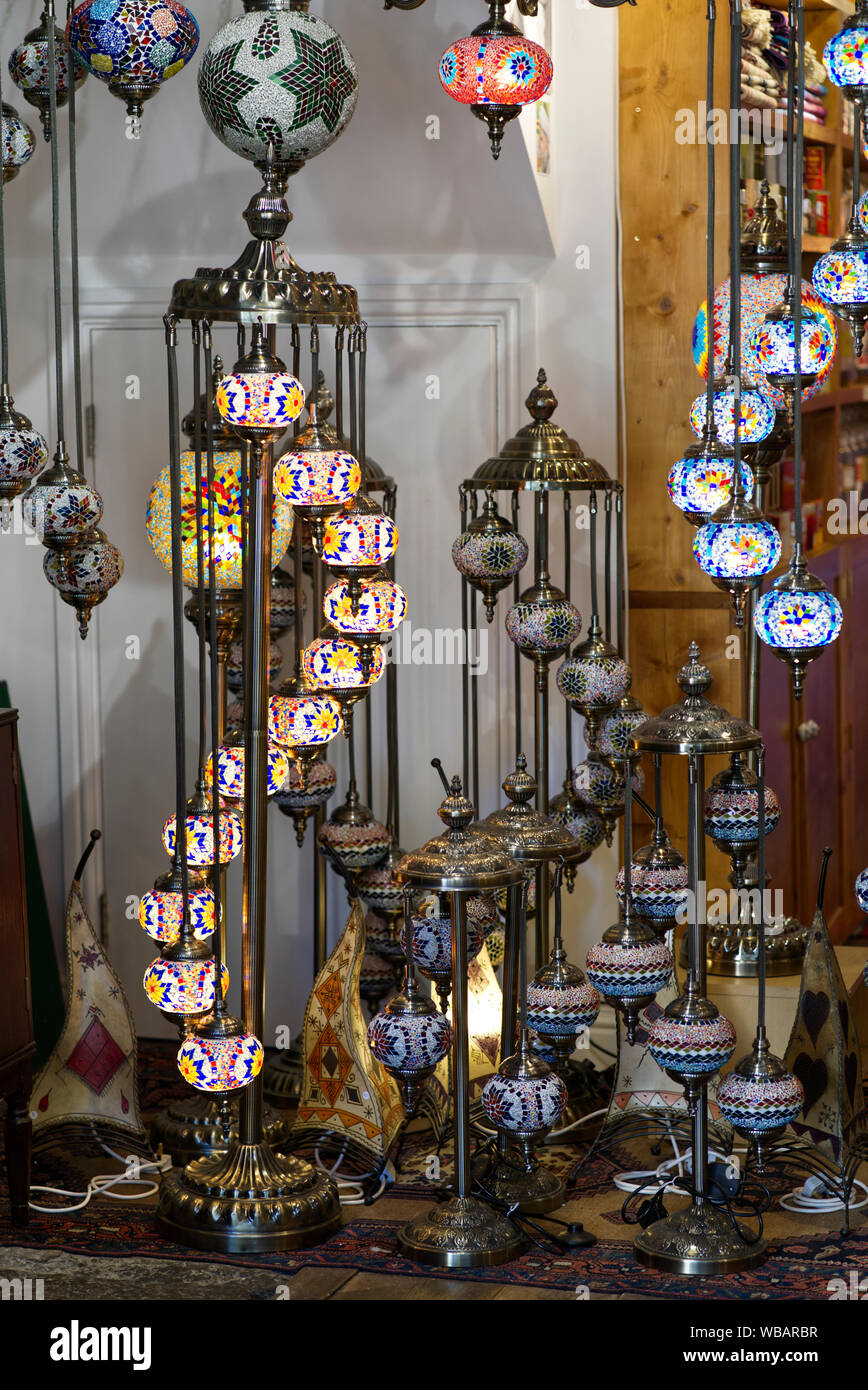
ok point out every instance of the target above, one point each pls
(481, 909)
(260, 400)
(283, 78)
(862, 890)
(303, 721)
(699, 485)
(696, 1047)
(161, 913)
(659, 892)
(319, 785)
(317, 478)
(364, 539)
(495, 69)
(492, 559)
(183, 986)
(775, 347)
(432, 939)
(62, 513)
(381, 607)
(561, 1012)
(235, 665)
(409, 1043)
(220, 1064)
(200, 837)
(378, 890)
(334, 663)
(732, 813)
(615, 737)
(227, 507)
(755, 1105)
(357, 846)
(582, 822)
(230, 770)
(797, 619)
(23, 452)
(18, 141)
(845, 58)
(130, 43)
(759, 295)
(738, 549)
(593, 682)
(628, 972)
(841, 277)
(598, 784)
(543, 628)
(86, 573)
(756, 421)
(524, 1105)
(29, 69)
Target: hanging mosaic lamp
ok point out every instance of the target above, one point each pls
(200, 833)
(302, 720)
(700, 483)
(135, 48)
(599, 785)
(861, 890)
(524, 1099)
(561, 1004)
(410, 1037)
(220, 1056)
(84, 575)
(377, 887)
(490, 553)
(277, 77)
(736, 548)
(230, 769)
(495, 71)
(756, 417)
(628, 968)
(760, 1097)
(61, 506)
(431, 925)
(732, 816)
(615, 738)
(181, 980)
(760, 294)
(691, 1040)
(543, 623)
(28, 67)
(841, 278)
(845, 56)
(300, 802)
(798, 618)
(658, 881)
(260, 399)
(334, 664)
(317, 477)
(161, 911)
(593, 678)
(23, 451)
(774, 344)
(359, 540)
(18, 141)
(380, 608)
(358, 843)
(583, 823)
(283, 602)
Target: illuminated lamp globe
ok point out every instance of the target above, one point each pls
(161, 911)
(489, 554)
(380, 608)
(135, 48)
(23, 451)
(798, 618)
(84, 575)
(756, 419)
(543, 623)
(593, 679)
(260, 399)
(230, 769)
(845, 56)
(700, 483)
(524, 1099)
(18, 141)
(317, 477)
(629, 967)
(220, 1056)
(736, 548)
(841, 278)
(774, 345)
(335, 664)
(495, 71)
(183, 985)
(200, 834)
(359, 540)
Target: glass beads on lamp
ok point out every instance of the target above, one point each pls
(200, 835)
(84, 575)
(28, 68)
(380, 607)
(732, 807)
(760, 1097)
(184, 986)
(410, 1037)
(861, 890)
(774, 344)
(691, 1040)
(495, 71)
(798, 618)
(736, 548)
(334, 663)
(845, 56)
(17, 141)
(490, 553)
(560, 1003)
(524, 1098)
(756, 421)
(134, 48)
(628, 968)
(700, 483)
(543, 623)
(220, 1056)
(659, 889)
(594, 678)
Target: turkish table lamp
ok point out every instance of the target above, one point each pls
(133, 48)
(561, 1005)
(495, 71)
(431, 925)
(28, 66)
(490, 553)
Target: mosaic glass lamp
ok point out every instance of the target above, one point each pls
(431, 925)
(583, 823)
(302, 720)
(760, 1097)
(260, 399)
(334, 663)
(410, 1037)
(135, 48)
(23, 451)
(736, 548)
(841, 278)
(756, 419)
(85, 575)
(317, 477)
(629, 967)
(18, 141)
(615, 739)
(230, 769)
(774, 344)
(524, 1099)
(658, 884)
(495, 71)
(277, 77)
(593, 679)
(358, 844)
(798, 618)
(861, 889)
(283, 602)
(161, 911)
(543, 623)
(200, 834)
(380, 608)
(183, 983)
(691, 1040)
(300, 802)
(220, 1056)
(732, 815)
(28, 67)
(700, 483)
(845, 56)
(561, 1004)
(359, 540)
(235, 666)
(61, 506)
(490, 553)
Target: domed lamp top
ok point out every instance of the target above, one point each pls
(459, 859)
(695, 725)
(525, 834)
(764, 239)
(541, 455)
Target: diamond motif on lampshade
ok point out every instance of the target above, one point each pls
(382, 606)
(200, 837)
(283, 78)
(602, 787)
(260, 400)
(133, 46)
(183, 986)
(700, 484)
(303, 720)
(524, 1105)
(18, 142)
(61, 512)
(774, 344)
(490, 555)
(334, 663)
(161, 913)
(501, 69)
(595, 682)
(845, 58)
(23, 452)
(759, 295)
(738, 549)
(615, 739)
(230, 770)
(624, 972)
(796, 619)
(841, 276)
(756, 421)
(691, 1047)
(317, 478)
(227, 521)
(359, 538)
(659, 892)
(220, 1064)
(755, 1105)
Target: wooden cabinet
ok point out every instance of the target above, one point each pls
(16, 1019)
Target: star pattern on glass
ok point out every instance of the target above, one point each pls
(226, 87)
(319, 79)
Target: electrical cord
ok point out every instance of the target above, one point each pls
(104, 1184)
(806, 1199)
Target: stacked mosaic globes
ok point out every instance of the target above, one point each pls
(691, 1041)
(134, 48)
(410, 1036)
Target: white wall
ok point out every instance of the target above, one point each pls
(465, 269)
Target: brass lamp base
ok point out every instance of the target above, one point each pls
(697, 1240)
(462, 1233)
(248, 1199)
(733, 950)
(193, 1128)
(536, 1192)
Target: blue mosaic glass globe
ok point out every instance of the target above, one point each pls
(841, 276)
(757, 418)
(845, 58)
(775, 346)
(701, 482)
(789, 617)
(737, 550)
(862, 890)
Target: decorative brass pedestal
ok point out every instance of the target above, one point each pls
(697, 1240)
(249, 1199)
(534, 1193)
(282, 1075)
(462, 1233)
(192, 1127)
